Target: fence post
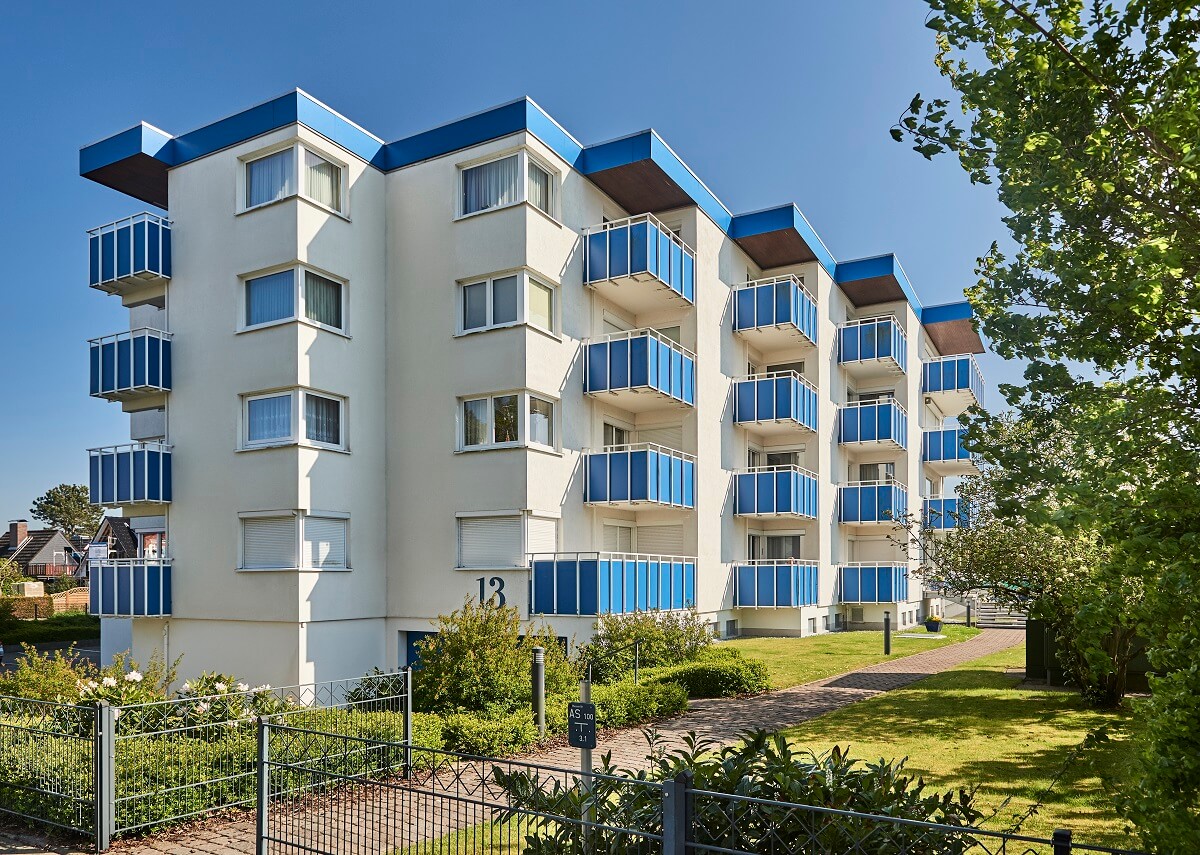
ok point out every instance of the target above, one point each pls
(104, 756)
(1061, 841)
(675, 814)
(263, 775)
(408, 720)
(539, 690)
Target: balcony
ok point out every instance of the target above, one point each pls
(775, 404)
(639, 264)
(775, 313)
(873, 424)
(942, 451)
(873, 348)
(952, 383)
(640, 370)
(782, 492)
(596, 583)
(139, 472)
(868, 582)
(133, 368)
(872, 502)
(642, 476)
(137, 587)
(943, 514)
(786, 583)
(131, 258)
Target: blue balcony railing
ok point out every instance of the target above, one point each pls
(867, 582)
(128, 474)
(943, 450)
(129, 252)
(640, 249)
(596, 583)
(781, 398)
(131, 363)
(873, 345)
(779, 309)
(953, 382)
(775, 491)
(776, 584)
(863, 502)
(139, 587)
(640, 474)
(643, 363)
(942, 514)
(882, 422)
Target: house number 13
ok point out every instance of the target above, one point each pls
(497, 586)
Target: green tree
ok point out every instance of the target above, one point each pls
(66, 508)
(10, 574)
(1087, 116)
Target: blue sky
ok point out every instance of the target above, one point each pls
(769, 102)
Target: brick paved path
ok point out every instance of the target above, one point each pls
(720, 719)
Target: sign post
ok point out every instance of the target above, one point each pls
(581, 734)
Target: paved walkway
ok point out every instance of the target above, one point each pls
(721, 719)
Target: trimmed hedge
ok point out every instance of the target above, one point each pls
(717, 677)
(622, 704)
(467, 733)
(26, 608)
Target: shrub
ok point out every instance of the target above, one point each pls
(622, 704)
(718, 677)
(479, 660)
(666, 638)
(468, 733)
(763, 767)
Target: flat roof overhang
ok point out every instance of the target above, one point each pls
(951, 328)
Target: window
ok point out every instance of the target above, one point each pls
(502, 541)
(616, 537)
(825, 622)
(296, 170)
(754, 458)
(781, 546)
(506, 420)
(280, 418)
(887, 395)
(782, 458)
(837, 621)
(295, 541)
(874, 471)
(295, 294)
(670, 332)
(615, 436)
(504, 301)
(812, 625)
(780, 367)
(497, 184)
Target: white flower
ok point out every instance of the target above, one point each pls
(110, 682)
(186, 688)
(202, 707)
(92, 684)
(116, 713)
(220, 687)
(133, 677)
(242, 687)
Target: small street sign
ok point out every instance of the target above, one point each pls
(581, 725)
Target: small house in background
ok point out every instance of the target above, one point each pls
(44, 554)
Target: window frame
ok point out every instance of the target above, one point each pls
(525, 280)
(523, 397)
(298, 519)
(524, 158)
(299, 147)
(524, 517)
(299, 313)
(298, 435)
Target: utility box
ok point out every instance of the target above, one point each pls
(29, 589)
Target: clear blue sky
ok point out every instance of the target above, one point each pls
(769, 102)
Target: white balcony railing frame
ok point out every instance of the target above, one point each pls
(642, 332)
(642, 218)
(761, 470)
(778, 375)
(130, 333)
(644, 446)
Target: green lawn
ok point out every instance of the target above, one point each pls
(971, 726)
(69, 626)
(793, 661)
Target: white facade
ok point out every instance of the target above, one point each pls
(396, 513)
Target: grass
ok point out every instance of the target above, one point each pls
(972, 726)
(68, 626)
(793, 661)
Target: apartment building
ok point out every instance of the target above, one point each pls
(369, 380)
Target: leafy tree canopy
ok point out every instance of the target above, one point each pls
(67, 508)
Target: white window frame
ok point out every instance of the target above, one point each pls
(524, 277)
(298, 314)
(299, 148)
(524, 158)
(298, 519)
(525, 517)
(523, 440)
(298, 435)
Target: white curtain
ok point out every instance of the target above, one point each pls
(269, 418)
(270, 178)
(541, 421)
(322, 181)
(271, 298)
(322, 300)
(490, 185)
(475, 422)
(323, 419)
(539, 187)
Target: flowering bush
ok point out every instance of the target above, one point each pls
(222, 699)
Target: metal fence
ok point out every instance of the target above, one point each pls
(330, 794)
(104, 770)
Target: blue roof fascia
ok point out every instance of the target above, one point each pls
(879, 265)
(779, 219)
(960, 311)
(140, 139)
